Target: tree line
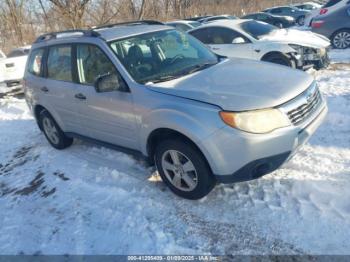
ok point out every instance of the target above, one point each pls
(21, 21)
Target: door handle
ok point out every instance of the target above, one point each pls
(44, 89)
(80, 96)
(215, 48)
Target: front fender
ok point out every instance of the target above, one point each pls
(195, 122)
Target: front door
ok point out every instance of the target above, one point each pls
(108, 115)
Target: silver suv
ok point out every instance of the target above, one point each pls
(146, 88)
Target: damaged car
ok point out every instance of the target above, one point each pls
(261, 41)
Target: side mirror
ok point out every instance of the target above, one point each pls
(238, 40)
(110, 82)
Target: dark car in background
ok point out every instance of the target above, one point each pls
(336, 26)
(217, 17)
(279, 21)
(298, 14)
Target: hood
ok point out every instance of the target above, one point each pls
(298, 37)
(239, 85)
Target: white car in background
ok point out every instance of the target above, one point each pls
(2, 58)
(330, 6)
(184, 25)
(261, 41)
(14, 65)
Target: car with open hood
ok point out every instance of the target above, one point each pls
(145, 88)
(261, 41)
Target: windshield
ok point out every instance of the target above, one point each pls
(163, 55)
(257, 29)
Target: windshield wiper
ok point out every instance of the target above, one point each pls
(200, 67)
(164, 78)
(187, 72)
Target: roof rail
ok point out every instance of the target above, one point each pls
(54, 35)
(139, 22)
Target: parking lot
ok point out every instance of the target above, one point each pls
(92, 200)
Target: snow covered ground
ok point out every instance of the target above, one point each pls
(92, 200)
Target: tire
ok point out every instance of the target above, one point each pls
(341, 39)
(174, 174)
(53, 133)
(301, 20)
(279, 59)
(278, 24)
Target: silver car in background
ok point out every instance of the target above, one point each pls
(335, 25)
(148, 89)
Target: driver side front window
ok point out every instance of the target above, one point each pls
(92, 63)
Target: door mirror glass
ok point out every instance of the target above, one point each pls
(109, 82)
(238, 40)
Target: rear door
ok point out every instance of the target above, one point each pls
(106, 116)
(59, 89)
(227, 42)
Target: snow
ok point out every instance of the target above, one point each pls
(92, 200)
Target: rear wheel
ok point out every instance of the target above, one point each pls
(280, 59)
(184, 169)
(301, 20)
(341, 39)
(53, 132)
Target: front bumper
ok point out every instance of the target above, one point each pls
(313, 58)
(236, 156)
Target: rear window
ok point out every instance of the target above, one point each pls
(18, 52)
(257, 29)
(331, 3)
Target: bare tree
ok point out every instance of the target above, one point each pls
(72, 11)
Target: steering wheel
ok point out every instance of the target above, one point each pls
(179, 56)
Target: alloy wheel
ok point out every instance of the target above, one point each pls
(179, 170)
(342, 40)
(50, 130)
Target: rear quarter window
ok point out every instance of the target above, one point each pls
(35, 62)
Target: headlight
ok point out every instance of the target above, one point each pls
(297, 48)
(257, 121)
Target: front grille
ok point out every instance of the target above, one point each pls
(311, 101)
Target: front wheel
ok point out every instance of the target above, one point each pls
(53, 132)
(341, 39)
(184, 169)
(279, 59)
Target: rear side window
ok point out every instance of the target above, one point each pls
(201, 35)
(276, 10)
(92, 63)
(59, 63)
(35, 61)
(218, 35)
